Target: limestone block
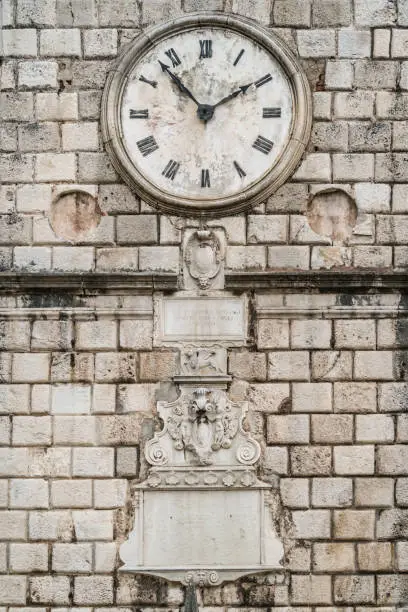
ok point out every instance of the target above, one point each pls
(28, 493)
(105, 557)
(75, 367)
(136, 334)
(288, 365)
(5, 430)
(267, 229)
(13, 590)
(71, 493)
(50, 589)
(354, 43)
(374, 428)
(137, 229)
(95, 168)
(15, 335)
(401, 257)
(73, 259)
(372, 257)
(330, 136)
(392, 589)
(110, 493)
(392, 459)
(96, 335)
(57, 107)
(74, 430)
(391, 167)
(158, 365)
(100, 43)
(288, 429)
(49, 462)
(289, 257)
(60, 43)
(103, 399)
(331, 13)
(382, 42)
(311, 524)
(292, 13)
(115, 367)
(392, 524)
(127, 462)
(291, 197)
(72, 558)
(353, 167)
(374, 556)
(273, 333)
(392, 229)
(52, 167)
(137, 397)
(123, 259)
(159, 10)
(30, 367)
(369, 136)
(311, 397)
(313, 333)
(333, 557)
(26, 558)
(373, 365)
(332, 365)
(353, 460)
(295, 492)
(311, 461)
(89, 105)
(8, 135)
(332, 492)
(316, 43)
(71, 399)
(16, 168)
(93, 524)
(339, 74)
(119, 430)
(374, 491)
(37, 74)
(246, 258)
(354, 589)
(252, 9)
(354, 524)
(322, 105)
(355, 333)
(332, 428)
(159, 259)
(90, 74)
(13, 525)
(31, 431)
(93, 462)
(316, 167)
(51, 525)
(17, 106)
(311, 589)
(19, 43)
(373, 198)
(80, 136)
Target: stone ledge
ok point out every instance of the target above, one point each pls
(319, 280)
(81, 283)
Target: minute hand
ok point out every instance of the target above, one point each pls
(178, 82)
(234, 94)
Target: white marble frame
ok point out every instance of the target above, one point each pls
(270, 182)
(269, 547)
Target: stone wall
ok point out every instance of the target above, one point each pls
(326, 363)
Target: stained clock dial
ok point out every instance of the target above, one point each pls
(206, 113)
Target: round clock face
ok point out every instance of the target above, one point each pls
(205, 115)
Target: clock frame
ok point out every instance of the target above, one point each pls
(257, 192)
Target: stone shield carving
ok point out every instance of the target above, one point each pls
(203, 257)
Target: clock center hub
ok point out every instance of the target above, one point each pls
(205, 112)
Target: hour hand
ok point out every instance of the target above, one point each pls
(178, 82)
(234, 94)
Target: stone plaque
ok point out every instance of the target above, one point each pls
(201, 319)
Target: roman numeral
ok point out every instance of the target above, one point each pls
(147, 145)
(144, 80)
(205, 49)
(240, 54)
(138, 114)
(263, 144)
(171, 169)
(262, 81)
(205, 178)
(172, 55)
(271, 112)
(240, 171)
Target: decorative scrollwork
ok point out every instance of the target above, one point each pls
(247, 453)
(202, 577)
(156, 455)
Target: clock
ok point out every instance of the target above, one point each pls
(206, 115)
